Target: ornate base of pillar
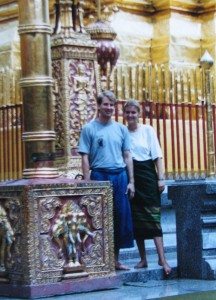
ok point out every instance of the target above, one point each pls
(61, 288)
(57, 237)
(72, 169)
(40, 173)
(3, 275)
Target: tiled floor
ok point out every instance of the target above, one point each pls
(185, 289)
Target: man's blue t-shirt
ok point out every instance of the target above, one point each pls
(105, 144)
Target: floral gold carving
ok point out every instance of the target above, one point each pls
(94, 208)
(58, 106)
(47, 210)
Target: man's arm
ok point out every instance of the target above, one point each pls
(85, 167)
(129, 163)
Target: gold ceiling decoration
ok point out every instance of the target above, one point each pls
(9, 8)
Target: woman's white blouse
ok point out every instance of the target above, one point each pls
(144, 143)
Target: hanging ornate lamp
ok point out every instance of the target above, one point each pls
(104, 34)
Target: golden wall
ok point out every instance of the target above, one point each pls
(167, 31)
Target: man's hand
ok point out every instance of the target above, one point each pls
(85, 167)
(130, 190)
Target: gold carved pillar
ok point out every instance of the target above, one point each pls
(74, 65)
(36, 83)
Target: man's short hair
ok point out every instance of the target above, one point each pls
(110, 95)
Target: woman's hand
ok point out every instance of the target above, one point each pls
(161, 185)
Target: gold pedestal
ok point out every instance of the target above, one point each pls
(42, 258)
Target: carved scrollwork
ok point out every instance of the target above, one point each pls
(95, 254)
(49, 260)
(58, 105)
(47, 210)
(15, 263)
(93, 204)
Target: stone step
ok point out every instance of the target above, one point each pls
(130, 257)
(209, 239)
(169, 247)
(152, 272)
(208, 221)
(211, 261)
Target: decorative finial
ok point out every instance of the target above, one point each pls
(106, 13)
(206, 60)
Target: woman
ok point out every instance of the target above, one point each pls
(149, 184)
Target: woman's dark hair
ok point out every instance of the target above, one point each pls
(110, 95)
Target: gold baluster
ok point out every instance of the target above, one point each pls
(157, 87)
(130, 78)
(150, 82)
(163, 83)
(137, 81)
(188, 87)
(207, 62)
(144, 92)
(123, 83)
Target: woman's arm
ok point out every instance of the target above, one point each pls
(129, 163)
(160, 172)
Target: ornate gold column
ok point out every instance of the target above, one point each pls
(207, 62)
(75, 72)
(36, 83)
(56, 235)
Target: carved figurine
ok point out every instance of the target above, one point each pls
(80, 12)
(6, 239)
(70, 232)
(74, 13)
(81, 93)
(75, 7)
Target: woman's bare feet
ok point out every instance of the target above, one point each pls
(141, 264)
(167, 269)
(121, 267)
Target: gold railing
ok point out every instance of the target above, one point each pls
(12, 152)
(182, 133)
(159, 83)
(174, 102)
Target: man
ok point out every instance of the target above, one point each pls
(105, 149)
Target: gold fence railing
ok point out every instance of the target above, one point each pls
(159, 83)
(173, 102)
(11, 146)
(182, 132)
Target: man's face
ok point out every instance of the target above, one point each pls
(106, 108)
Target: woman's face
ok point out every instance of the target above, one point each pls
(131, 114)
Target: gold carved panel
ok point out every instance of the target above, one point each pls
(61, 230)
